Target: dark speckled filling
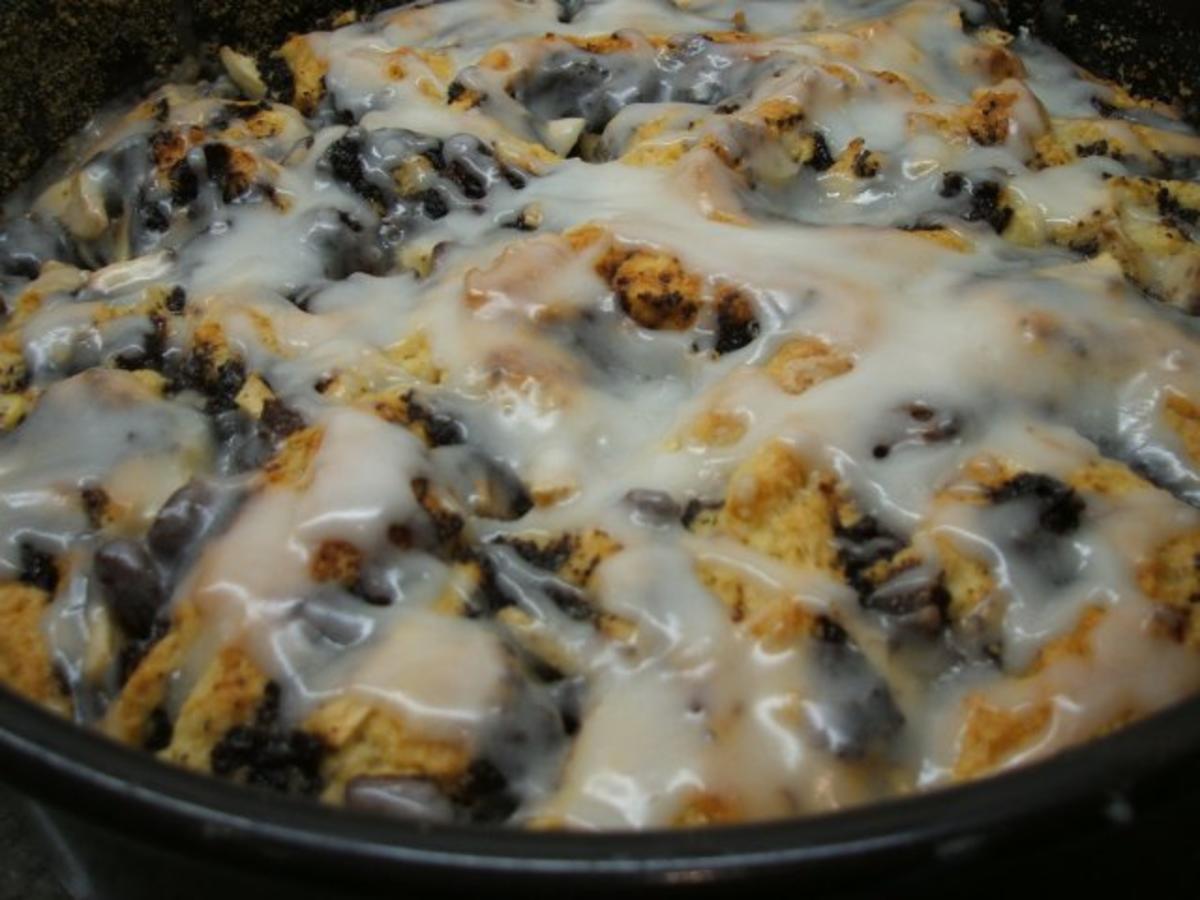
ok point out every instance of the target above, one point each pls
(61, 60)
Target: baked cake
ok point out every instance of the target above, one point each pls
(608, 415)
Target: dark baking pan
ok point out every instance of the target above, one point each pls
(123, 827)
(120, 825)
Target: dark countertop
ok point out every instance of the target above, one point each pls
(25, 873)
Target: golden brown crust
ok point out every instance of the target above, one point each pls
(717, 428)
(707, 808)
(987, 119)
(366, 740)
(652, 287)
(805, 362)
(227, 695)
(336, 560)
(1107, 477)
(291, 465)
(25, 662)
(992, 734)
(588, 549)
(146, 688)
(308, 70)
(1171, 576)
(769, 615)
(1183, 417)
(967, 580)
(1076, 644)
(781, 506)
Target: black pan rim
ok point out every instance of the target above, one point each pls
(126, 791)
(54, 760)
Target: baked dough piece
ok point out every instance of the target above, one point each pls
(610, 417)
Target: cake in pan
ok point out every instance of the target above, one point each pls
(608, 415)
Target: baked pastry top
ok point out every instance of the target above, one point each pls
(603, 415)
